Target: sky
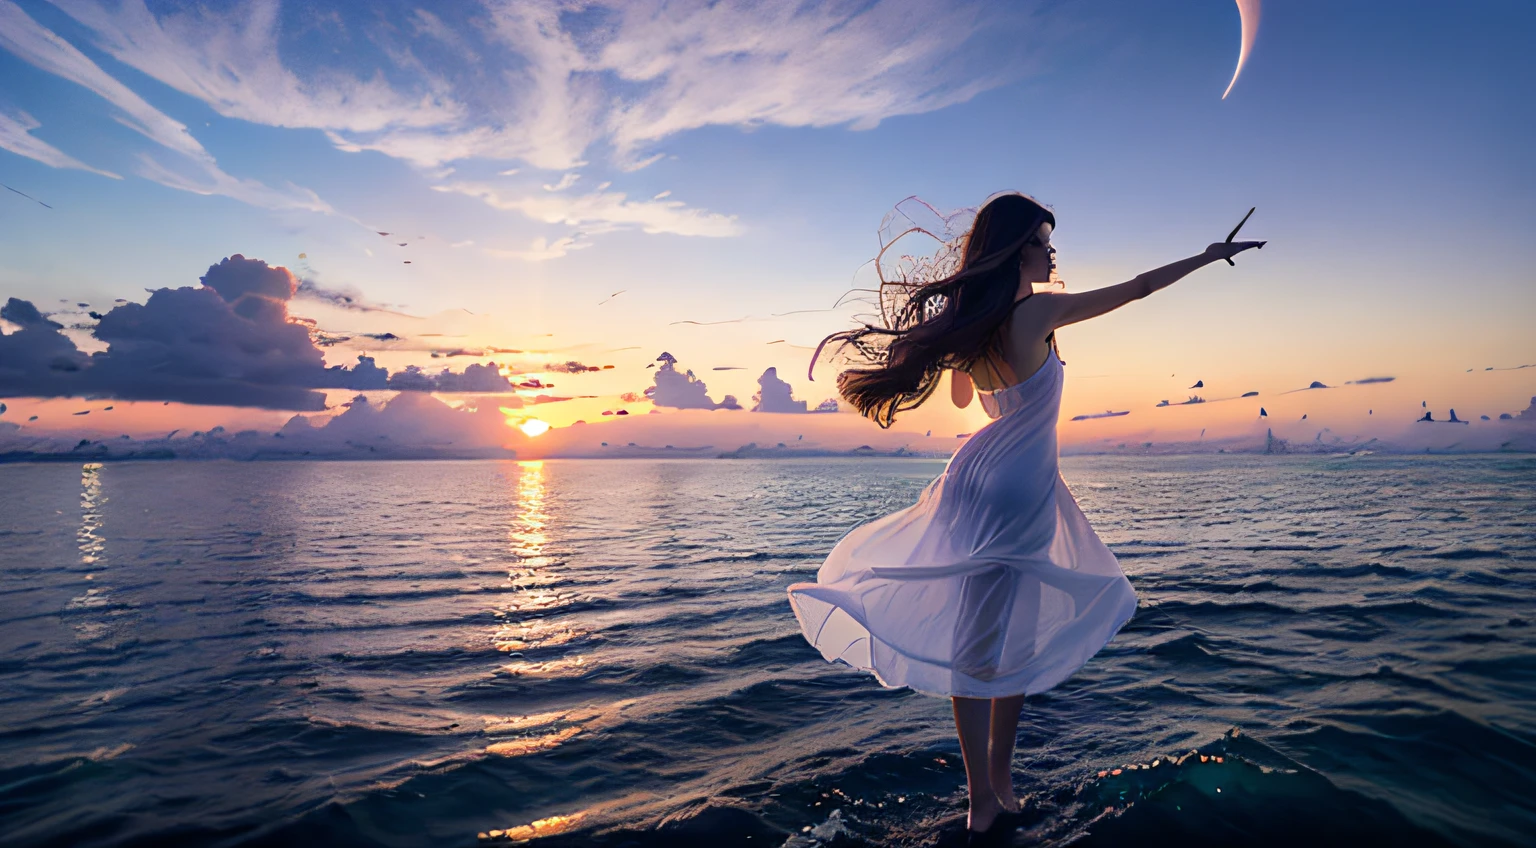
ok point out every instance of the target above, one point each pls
(583, 185)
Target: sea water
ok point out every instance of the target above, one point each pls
(1327, 650)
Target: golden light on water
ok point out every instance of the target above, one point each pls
(527, 832)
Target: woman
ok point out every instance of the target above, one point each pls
(993, 586)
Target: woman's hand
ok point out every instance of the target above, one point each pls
(1228, 249)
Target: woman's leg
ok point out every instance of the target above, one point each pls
(972, 720)
(1004, 731)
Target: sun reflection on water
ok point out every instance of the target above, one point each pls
(542, 827)
(523, 626)
(92, 545)
(530, 623)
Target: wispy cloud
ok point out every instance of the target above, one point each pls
(541, 249)
(600, 208)
(195, 170)
(544, 82)
(230, 60)
(16, 136)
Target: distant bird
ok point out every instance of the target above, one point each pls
(611, 296)
(711, 323)
(403, 243)
(1250, 394)
(33, 418)
(1202, 432)
(652, 365)
(1370, 412)
(1263, 413)
(24, 194)
(929, 433)
(1303, 416)
(407, 261)
(1423, 404)
(799, 437)
(1199, 384)
(381, 232)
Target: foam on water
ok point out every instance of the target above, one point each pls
(601, 653)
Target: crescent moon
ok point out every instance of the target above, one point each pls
(1248, 10)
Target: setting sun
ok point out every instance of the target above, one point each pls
(533, 427)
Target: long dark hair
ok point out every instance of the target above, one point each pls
(947, 323)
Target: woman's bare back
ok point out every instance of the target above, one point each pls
(1026, 342)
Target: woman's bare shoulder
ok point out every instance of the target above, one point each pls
(1035, 316)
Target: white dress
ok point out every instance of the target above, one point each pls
(992, 584)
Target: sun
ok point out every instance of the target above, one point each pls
(533, 427)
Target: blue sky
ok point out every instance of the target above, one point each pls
(1379, 142)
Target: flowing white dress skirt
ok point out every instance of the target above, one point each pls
(992, 584)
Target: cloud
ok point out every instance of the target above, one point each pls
(410, 423)
(566, 181)
(474, 378)
(230, 342)
(545, 82)
(603, 211)
(682, 390)
(194, 170)
(342, 298)
(1369, 380)
(23, 314)
(230, 60)
(796, 65)
(234, 277)
(16, 136)
(571, 367)
(775, 395)
(540, 249)
(407, 426)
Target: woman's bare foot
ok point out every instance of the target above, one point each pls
(982, 815)
(1002, 788)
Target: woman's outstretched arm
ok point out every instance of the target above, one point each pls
(1064, 309)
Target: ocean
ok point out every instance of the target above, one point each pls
(1328, 650)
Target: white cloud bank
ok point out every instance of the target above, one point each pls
(191, 167)
(547, 83)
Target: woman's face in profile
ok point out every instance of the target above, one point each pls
(1039, 259)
